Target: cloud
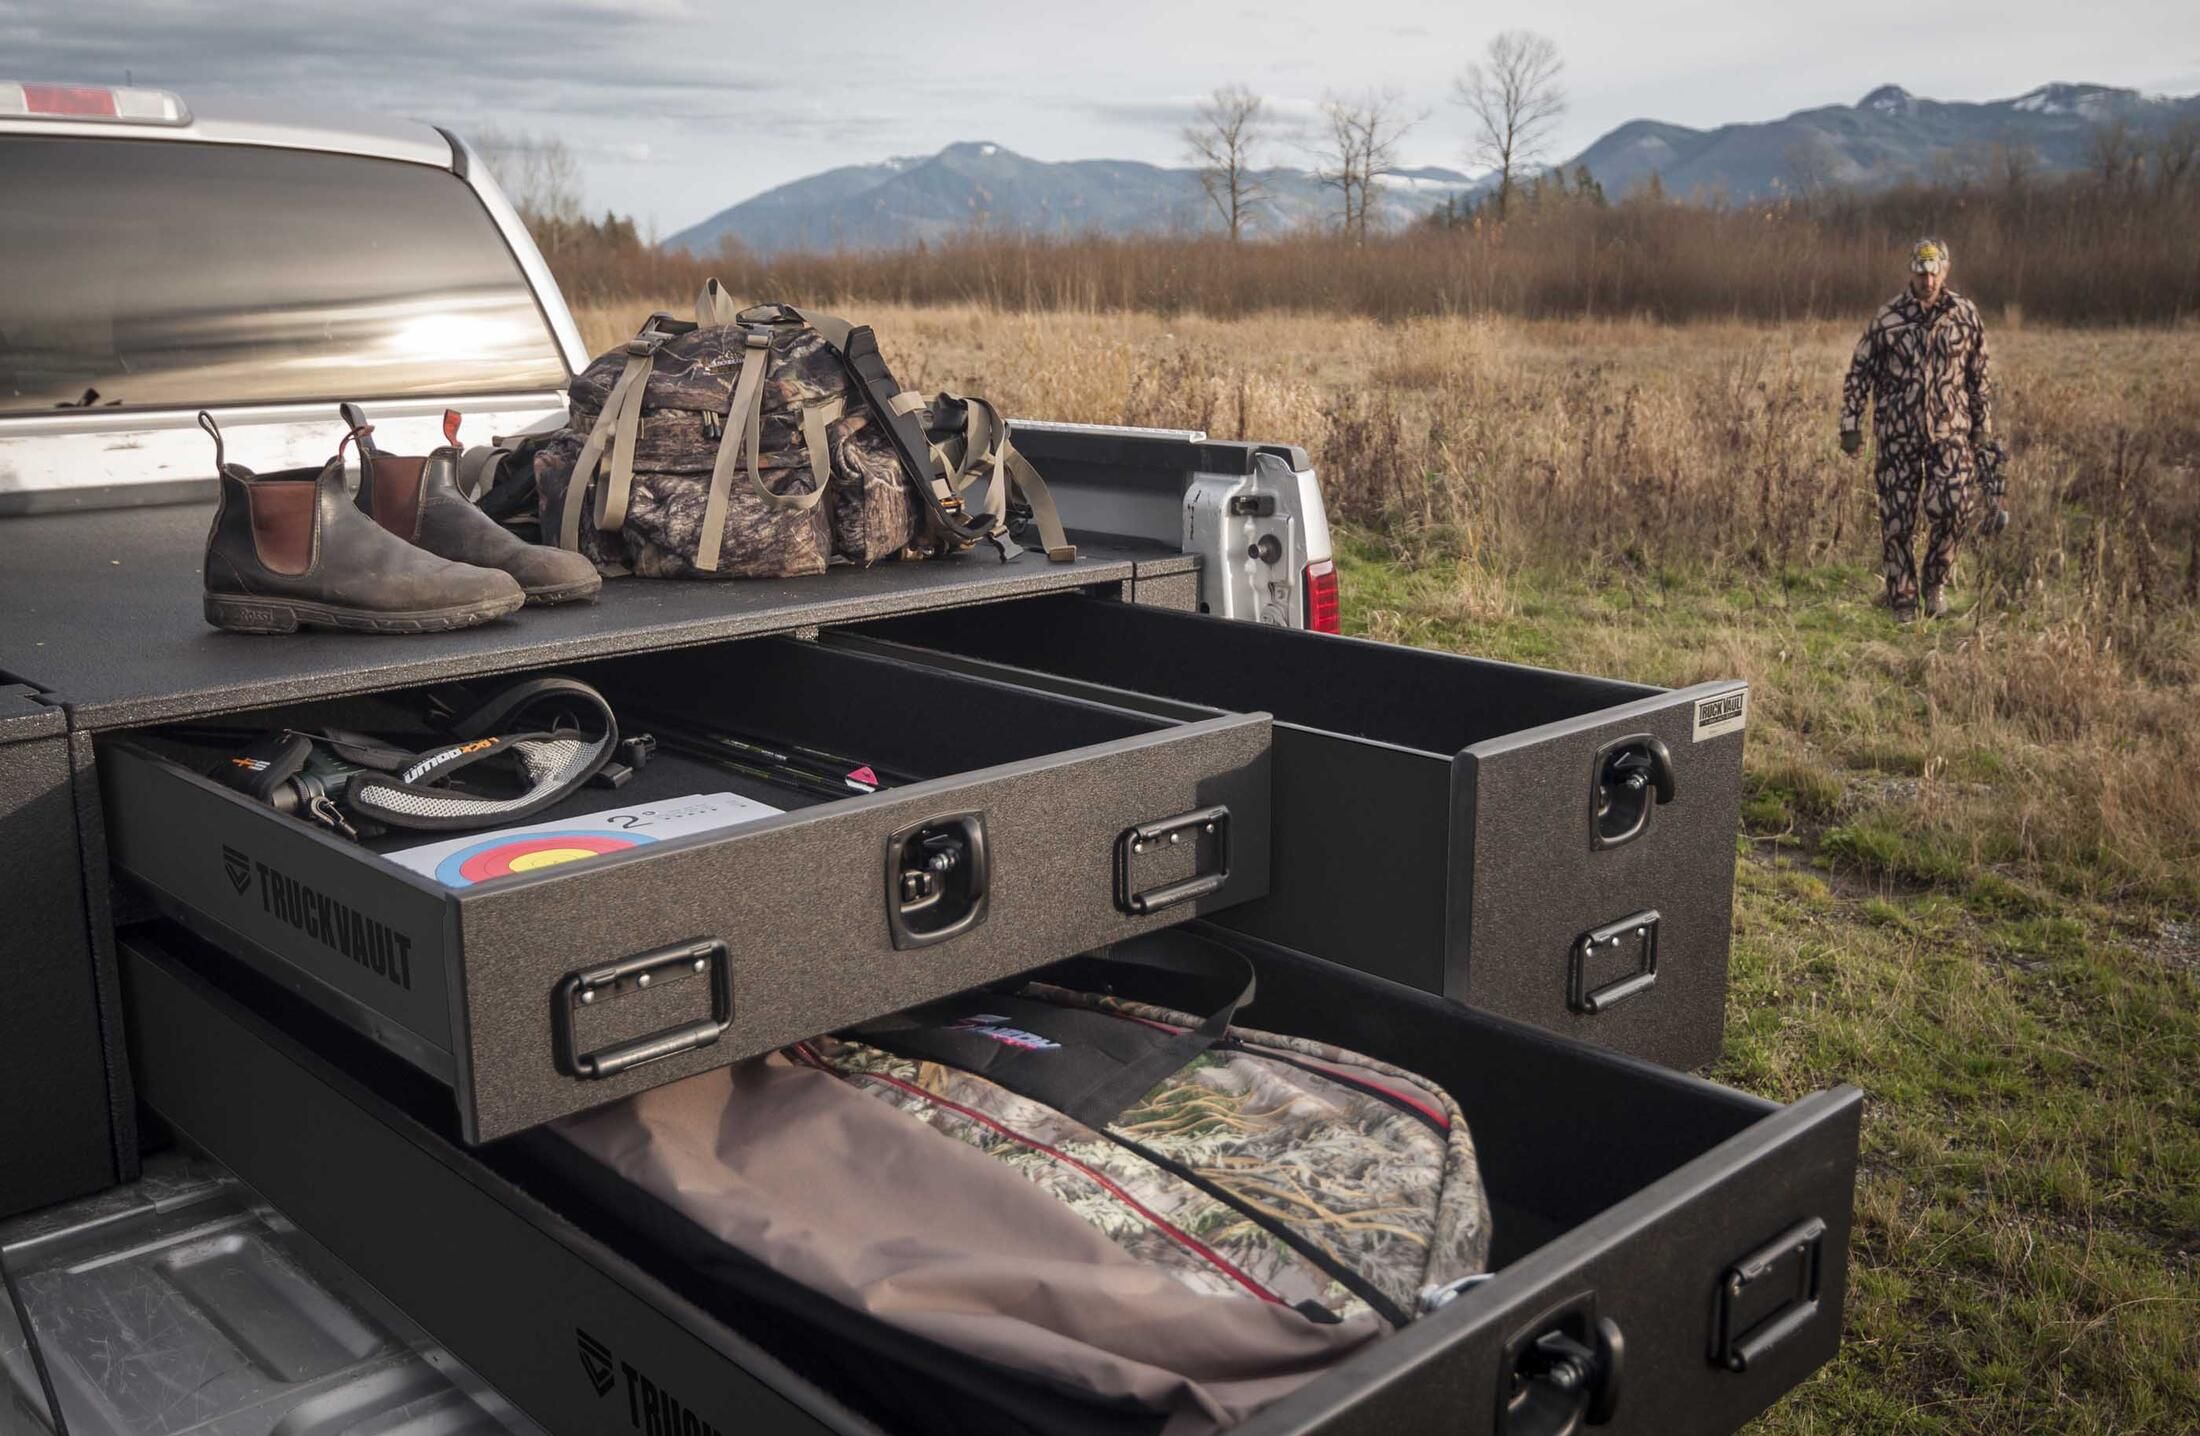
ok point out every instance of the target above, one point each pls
(583, 57)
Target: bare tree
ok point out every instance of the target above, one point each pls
(1514, 95)
(2118, 155)
(1813, 163)
(1226, 129)
(2176, 155)
(538, 174)
(1362, 144)
(2016, 167)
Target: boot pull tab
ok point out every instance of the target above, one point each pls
(451, 420)
(356, 427)
(214, 432)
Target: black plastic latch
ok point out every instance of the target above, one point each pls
(937, 880)
(1562, 1372)
(1630, 779)
(1770, 1295)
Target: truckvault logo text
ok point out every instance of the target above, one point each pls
(650, 1408)
(339, 927)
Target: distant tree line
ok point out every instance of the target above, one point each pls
(2112, 243)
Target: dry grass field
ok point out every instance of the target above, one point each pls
(1969, 871)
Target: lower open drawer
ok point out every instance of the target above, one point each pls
(1710, 1229)
(549, 991)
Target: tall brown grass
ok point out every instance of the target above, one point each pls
(2073, 250)
(1488, 459)
(1622, 446)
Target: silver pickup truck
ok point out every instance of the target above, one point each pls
(265, 266)
(271, 1103)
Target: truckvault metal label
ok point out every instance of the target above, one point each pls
(1725, 713)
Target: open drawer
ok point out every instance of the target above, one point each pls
(1542, 845)
(543, 993)
(1710, 1229)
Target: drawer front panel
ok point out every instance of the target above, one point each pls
(801, 906)
(1531, 884)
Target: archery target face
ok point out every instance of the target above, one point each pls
(531, 852)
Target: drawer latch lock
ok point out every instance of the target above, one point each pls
(1631, 778)
(1189, 853)
(646, 977)
(1613, 962)
(1770, 1295)
(936, 879)
(1562, 1373)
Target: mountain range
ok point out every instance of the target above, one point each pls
(975, 184)
(1888, 136)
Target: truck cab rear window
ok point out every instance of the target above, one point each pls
(158, 274)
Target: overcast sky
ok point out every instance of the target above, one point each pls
(678, 108)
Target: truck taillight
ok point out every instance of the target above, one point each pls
(1321, 598)
(30, 100)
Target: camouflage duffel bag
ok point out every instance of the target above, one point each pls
(1053, 1193)
(767, 442)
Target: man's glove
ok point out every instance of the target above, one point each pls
(1994, 483)
(1852, 442)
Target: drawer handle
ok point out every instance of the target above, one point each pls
(1641, 929)
(1770, 1295)
(629, 978)
(1209, 832)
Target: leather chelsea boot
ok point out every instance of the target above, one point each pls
(288, 550)
(419, 501)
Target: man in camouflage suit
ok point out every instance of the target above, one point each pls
(1923, 366)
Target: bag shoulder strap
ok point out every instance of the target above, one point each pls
(618, 425)
(745, 429)
(989, 452)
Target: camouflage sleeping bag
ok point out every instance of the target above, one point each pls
(768, 442)
(1166, 1213)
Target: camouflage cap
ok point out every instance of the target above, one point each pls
(1930, 256)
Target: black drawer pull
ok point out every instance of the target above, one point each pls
(628, 979)
(1770, 1295)
(1639, 929)
(1208, 831)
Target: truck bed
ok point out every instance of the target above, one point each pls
(101, 609)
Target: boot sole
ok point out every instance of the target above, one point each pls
(565, 592)
(236, 614)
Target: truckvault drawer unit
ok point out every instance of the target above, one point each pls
(1548, 847)
(1691, 1241)
(537, 995)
